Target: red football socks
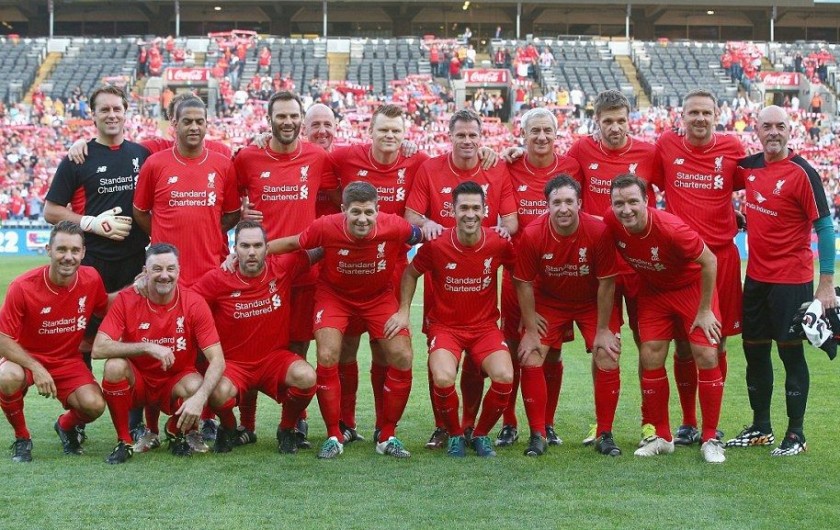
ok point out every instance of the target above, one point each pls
(534, 396)
(711, 395)
(685, 376)
(297, 399)
(329, 398)
(397, 389)
(349, 376)
(492, 407)
(12, 406)
(655, 394)
(118, 397)
(607, 390)
(447, 403)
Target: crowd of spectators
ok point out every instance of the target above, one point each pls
(35, 137)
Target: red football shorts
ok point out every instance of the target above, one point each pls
(333, 311)
(268, 375)
(478, 343)
(156, 392)
(666, 315)
(729, 289)
(68, 377)
(511, 315)
(561, 319)
(300, 320)
(627, 288)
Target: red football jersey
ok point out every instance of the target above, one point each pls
(187, 197)
(600, 166)
(464, 278)
(431, 194)
(155, 145)
(392, 182)
(49, 321)
(284, 186)
(185, 326)
(252, 314)
(565, 269)
(664, 254)
(528, 184)
(698, 183)
(358, 269)
(782, 201)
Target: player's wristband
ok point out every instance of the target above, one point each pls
(825, 244)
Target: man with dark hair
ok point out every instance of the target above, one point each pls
(529, 175)
(251, 310)
(463, 265)
(677, 301)
(43, 320)
(698, 177)
(565, 273)
(192, 193)
(610, 152)
(280, 184)
(356, 283)
(151, 344)
(429, 207)
(784, 200)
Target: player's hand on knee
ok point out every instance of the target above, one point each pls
(44, 382)
(607, 342)
(108, 224)
(488, 157)
(78, 151)
(707, 321)
(162, 354)
(528, 345)
(189, 413)
(397, 322)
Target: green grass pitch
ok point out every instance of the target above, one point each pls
(571, 487)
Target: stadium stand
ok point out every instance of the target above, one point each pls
(377, 62)
(19, 62)
(88, 61)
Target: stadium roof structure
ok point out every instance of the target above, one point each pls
(716, 20)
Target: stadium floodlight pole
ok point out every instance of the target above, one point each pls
(627, 22)
(51, 9)
(518, 18)
(325, 19)
(177, 19)
(773, 16)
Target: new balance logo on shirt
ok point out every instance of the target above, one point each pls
(548, 256)
(343, 252)
(102, 169)
(46, 310)
(446, 189)
(679, 161)
(144, 325)
(451, 266)
(172, 180)
(265, 175)
(593, 165)
(523, 187)
(362, 173)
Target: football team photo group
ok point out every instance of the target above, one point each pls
(146, 319)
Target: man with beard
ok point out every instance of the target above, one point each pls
(280, 183)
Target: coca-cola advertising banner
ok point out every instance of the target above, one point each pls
(780, 79)
(187, 76)
(487, 76)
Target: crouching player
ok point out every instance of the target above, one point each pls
(356, 282)
(151, 345)
(42, 323)
(565, 274)
(251, 309)
(463, 264)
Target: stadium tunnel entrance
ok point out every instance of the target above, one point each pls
(489, 81)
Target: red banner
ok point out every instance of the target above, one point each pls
(187, 75)
(487, 76)
(780, 79)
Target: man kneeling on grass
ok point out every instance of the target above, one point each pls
(151, 346)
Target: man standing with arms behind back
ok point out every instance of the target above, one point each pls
(784, 199)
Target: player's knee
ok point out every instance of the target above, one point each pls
(12, 377)
(328, 356)
(402, 359)
(443, 378)
(115, 370)
(705, 358)
(224, 391)
(504, 375)
(604, 361)
(92, 405)
(301, 375)
(191, 383)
